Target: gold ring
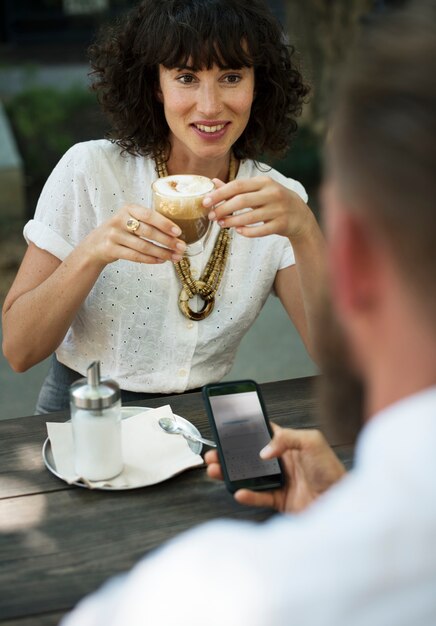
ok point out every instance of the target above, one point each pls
(132, 225)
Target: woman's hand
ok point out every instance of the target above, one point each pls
(112, 240)
(309, 464)
(44, 279)
(275, 209)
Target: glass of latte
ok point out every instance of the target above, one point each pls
(180, 199)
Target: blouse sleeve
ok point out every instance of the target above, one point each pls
(65, 212)
(288, 257)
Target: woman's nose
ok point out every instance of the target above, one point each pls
(209, 101)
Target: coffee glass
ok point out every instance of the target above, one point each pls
(180, 199)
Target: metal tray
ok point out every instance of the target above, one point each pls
(126, 411)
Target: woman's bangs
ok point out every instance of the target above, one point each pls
(203, 48)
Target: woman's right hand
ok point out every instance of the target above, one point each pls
(112, 240)
(47, 292)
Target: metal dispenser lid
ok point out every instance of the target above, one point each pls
(92, 392)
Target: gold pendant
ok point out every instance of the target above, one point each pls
(207, 288)
(195, 315)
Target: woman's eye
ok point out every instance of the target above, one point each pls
(186, 79)
(232, 78)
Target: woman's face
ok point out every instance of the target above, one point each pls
(206, 111)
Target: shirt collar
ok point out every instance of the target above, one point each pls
(403, 431)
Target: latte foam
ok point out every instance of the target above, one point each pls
(183, 185)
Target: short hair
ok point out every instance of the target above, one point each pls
(228, 33)
(383, 140)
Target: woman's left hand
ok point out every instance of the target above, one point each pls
(275, 209)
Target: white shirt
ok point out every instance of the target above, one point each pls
(130, 320)
(363, 555)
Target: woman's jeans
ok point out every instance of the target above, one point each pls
(54, 394)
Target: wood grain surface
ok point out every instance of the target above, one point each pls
(59, 543)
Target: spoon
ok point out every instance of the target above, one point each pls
(169, 425)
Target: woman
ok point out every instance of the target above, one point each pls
(194, 87)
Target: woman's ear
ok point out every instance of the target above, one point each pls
(157, 88)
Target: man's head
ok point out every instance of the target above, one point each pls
(379, 203)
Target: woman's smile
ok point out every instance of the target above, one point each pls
(210, 130)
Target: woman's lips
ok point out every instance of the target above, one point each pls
(210, 131)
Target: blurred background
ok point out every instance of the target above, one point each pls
(45, 107)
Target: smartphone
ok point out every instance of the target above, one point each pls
(241, 428)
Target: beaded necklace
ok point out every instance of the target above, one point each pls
(207, 285)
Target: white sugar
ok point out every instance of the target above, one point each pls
(97, 444)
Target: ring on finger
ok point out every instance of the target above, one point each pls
(132, 224)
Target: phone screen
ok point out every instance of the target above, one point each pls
(242, 431)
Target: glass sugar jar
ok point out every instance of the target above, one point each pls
(96, 420)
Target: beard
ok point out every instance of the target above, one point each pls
(340, 390)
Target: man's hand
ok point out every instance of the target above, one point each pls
(309, 464)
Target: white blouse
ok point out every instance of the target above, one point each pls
(130, 320)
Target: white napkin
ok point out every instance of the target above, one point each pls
(150, 455)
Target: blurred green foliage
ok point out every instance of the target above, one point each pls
(303, 160)
(46, 122)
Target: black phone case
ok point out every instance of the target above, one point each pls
(253, 484)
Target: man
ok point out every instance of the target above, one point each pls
(363, 550)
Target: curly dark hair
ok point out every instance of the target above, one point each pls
(227, 33)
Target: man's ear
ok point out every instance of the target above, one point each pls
(354, 260)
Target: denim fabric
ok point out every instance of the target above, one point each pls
(54, 394)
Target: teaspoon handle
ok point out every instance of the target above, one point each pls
(207, 442)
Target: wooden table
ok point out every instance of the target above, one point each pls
(59, 543)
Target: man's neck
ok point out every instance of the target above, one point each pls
(396, 388)
(403, 363)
